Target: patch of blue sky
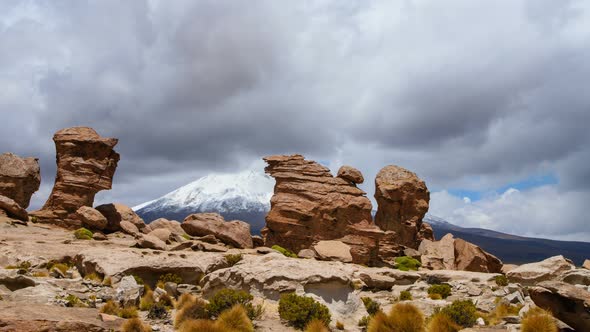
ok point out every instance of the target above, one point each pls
(528, 183)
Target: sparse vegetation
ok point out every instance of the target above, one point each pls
(298, 311)
(183, 300)
(83, 234)
(316, 325)
(501, 280)
(462, 312)
(166, 300)
(72, 301)
(435, 296)
(147, 300)
(93, 277)
(138, 279)
(403, 317)
(364, 321)
(442, 323)
(538, 321)
(501, 310)
(110, 308)
(233, 259)
(371, 306)
(284, 251)
(380, 323)
(405, 296)
(24, 265)
(158, 311)
(199, 325)
(128, 312)
(227, 298)
(135, 325)
(107, 281)
(406, 263)
(235, 319)
(34, 219)
(443, 290)
(186, 236)
(339, 325)
(191, 310)
(62, 267)
(170, 277)
(40, 274)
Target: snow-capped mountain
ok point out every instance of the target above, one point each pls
(244, 196)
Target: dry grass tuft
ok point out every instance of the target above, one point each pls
(135, 325)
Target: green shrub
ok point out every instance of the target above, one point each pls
(158, 311)
(24, 265)
(226, 298)
(235, 319)
(233, 259)
(194, 309)
(170, 277)
(72, 301)
(435, 296)
(284, 251)
(443, 290)
(405, 296)
(462, 312)
(298, 311)
(138, 280)
(371, 306)
(364, 321)
(316, 325)
(107, 281)
(135, 325)
(539, 321)
(442, 323)
(186, 236)
(93, 276)
(83, 234)
(34, 219)
(406, 263)
(501, 280)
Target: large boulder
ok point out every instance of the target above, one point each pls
(91, 218)
(568, 303)
(351, 174)
(457, 254)
(532, 273)
(19, 178)
(333, 251)
(310, 204)
(151, 242)
(235, 233)
(116, 213)
(172, 225)
(402, 199)
(12, 209)
(86, 163)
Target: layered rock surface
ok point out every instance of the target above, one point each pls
(309, 205)
(568, 303)
(533, 273)
(19, 178)
(86, 163)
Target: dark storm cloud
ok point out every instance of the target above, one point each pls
(469, 95)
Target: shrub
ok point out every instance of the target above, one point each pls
(63, 268)
(364, 321)
(195, 309)
(502, 310)
(406, 263)
(538, 321)
(72, 301)
(147, 300)
(107, 281)
(233, 259)
(298, 311)
(34, 219)
(435, 296)
(138, 280)
(158, 311)
(316, 325)
(93, 277)
(235, 319)
(405, 296)
(186, 236)
(339, 325)
(462, 312)
(371, 306)
(110, 308)
(166, 300)
(501, 280)
(443, 289)
(24, 265)
(135, 325)
(442, 323)
(183, 300)
(227, 298)
(128, 312)
(284, 251)
(199, 325)
(170, 277)
(83, 234)
(380, 323)
(407, 318)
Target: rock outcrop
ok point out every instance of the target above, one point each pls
(568, 303)
(402, 199)
(235, 233)
(19, 178)
(10, 208)
(351, 174)
(86, 163)
(310, 205)
(457, 254)
(119, 216)
(586, 264)
(549, 269)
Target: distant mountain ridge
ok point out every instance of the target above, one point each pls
(246, 196)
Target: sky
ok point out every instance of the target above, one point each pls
(487, 101)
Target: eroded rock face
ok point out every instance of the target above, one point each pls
(19, 178)
(235, 233)
(568, 303)
(309, 205)
(86, 163)
(117, 213)
(402, 199)
(532, 273)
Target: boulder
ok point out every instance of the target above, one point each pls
(128, 291)
(91, 218)
(586, 264)
(172, 225)
(129, 228)
(333, 251)
(235, 233)
(532, 273)
(19, 178)
(351, 174)
(306, 253)
(116, 213)
(99, 236)
(377, 281)
(257, 241)
(12, 209)
(402, 199)
(576, 277)
(151, 242)
(438, 255)
(568, 303)
(310, 204)
(208, 247)
(161, 233)
(86, 163)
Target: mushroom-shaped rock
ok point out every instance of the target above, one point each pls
(402, 199)
(19, 178)
(117, 213)
(351, 174)
(91, 218)
(12, 209)
(235, 233)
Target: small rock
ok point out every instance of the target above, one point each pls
(257, 241)
(377, 281)
(91, 218)
(514, 298)
(187, 288)
(182, 246)
(129, 228)
(202, 246)
(264, 250)
(128, 291)
(209, 239)
(150, 242)
(99, 236)
(412, 253)
(508, 267)
(161, 233)
(158, 292)
(107, 318)
(12, 208)
(480, 322)
(306, 253)
(333, 251)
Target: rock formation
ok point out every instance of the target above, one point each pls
(19, 178)
(457, 254)
(235, 233)
(402, 200)
(10, 208)
(86, 163)
(532, 273)
(351, 174)
(309, 205)
(121, 217)
(569, 303)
